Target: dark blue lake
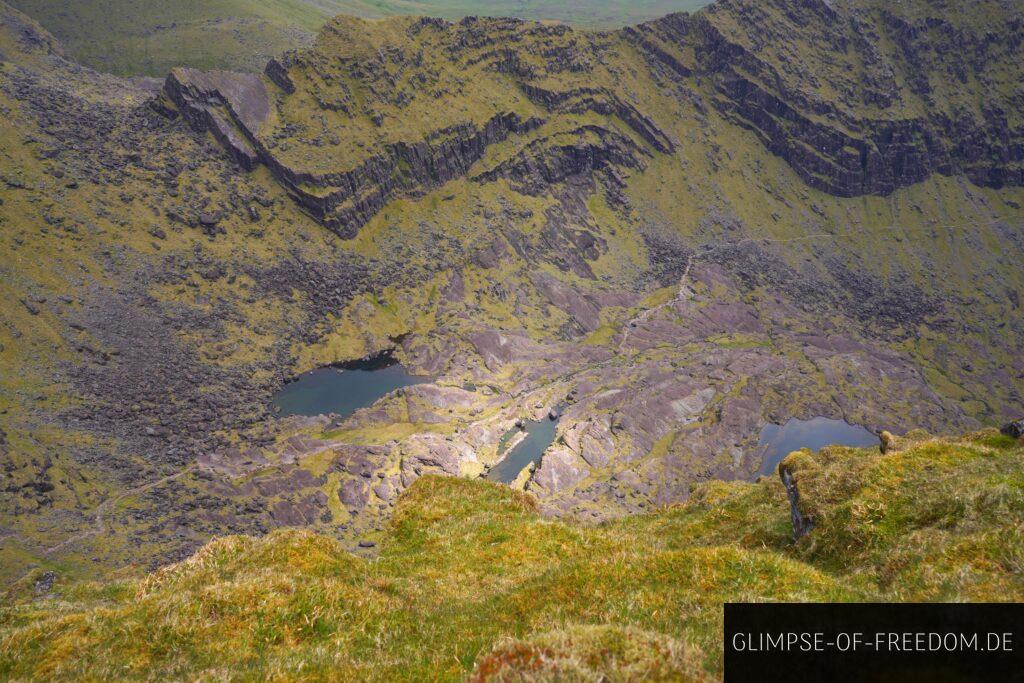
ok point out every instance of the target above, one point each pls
(341, 390)
(776, 442)
(539, 435)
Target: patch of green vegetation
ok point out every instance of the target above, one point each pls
(472, 578)
(739, 340)
(137, 37)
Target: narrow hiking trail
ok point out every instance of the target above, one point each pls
(99, 526)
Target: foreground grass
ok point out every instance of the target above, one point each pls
(471, 581)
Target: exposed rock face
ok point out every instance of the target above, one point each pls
(277, 71)
(582, 151)
(232, 106)
(883, 123)
(855, 98)
(345, 201)
(880, 122)
(601, 101)
(802, 524)
(1014, 430)
(560, 469)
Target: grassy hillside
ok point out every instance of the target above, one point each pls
(133, 37)
(470, 580)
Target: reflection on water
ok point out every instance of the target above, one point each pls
(341, 391)
(539, 435)
(776, 442)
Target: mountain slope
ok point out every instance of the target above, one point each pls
(136, 37)
(382, 83)
(530, 215)
(471, 580)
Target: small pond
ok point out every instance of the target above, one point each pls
(343, 389)
(539, 435)
(776, 442)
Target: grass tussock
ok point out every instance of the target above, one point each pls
(592, 653)
(472, 582)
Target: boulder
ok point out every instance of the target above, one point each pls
(1015, 429)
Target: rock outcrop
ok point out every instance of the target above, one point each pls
(1014, 430)
(232, 106)
(788, 472)
(346, 200)
(586, 150)
(820, 86)
(856, 99)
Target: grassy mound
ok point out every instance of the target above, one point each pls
(472, 581)
(592, 653)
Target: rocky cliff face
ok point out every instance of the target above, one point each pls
(344, 200)
(857, 98)
(344, 190)
(228, 105)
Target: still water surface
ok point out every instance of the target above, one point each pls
(776, 442)
(539, 435)
(341, 391)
